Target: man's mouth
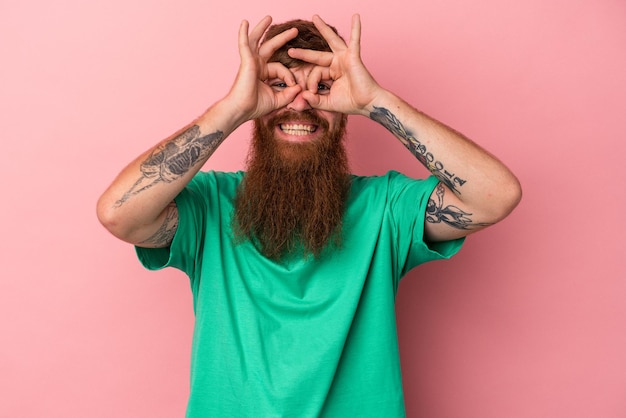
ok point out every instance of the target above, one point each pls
(297, 129)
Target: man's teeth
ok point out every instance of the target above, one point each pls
(296, 129)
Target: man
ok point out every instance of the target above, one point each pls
(294, 265)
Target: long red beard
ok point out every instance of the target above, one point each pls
(293, 194)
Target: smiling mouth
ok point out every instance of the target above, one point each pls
(297, 129)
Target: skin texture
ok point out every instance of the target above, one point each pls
(475, 189)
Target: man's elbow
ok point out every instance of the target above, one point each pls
(112, 220)
(508, 197)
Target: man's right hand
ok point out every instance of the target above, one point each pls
(250, 94)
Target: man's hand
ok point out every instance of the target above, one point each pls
(354, 89)
(250, 94)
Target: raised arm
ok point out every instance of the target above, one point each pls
(475, 190)
(138, 207)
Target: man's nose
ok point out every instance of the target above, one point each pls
(299, 104)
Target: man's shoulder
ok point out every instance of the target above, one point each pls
(390, 186)
(206, 186)
(387, 179)
(219, 175)
(219, 179)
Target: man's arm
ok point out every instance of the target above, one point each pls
(138, 207)
(475, 189)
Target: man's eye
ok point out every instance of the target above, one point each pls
(323, 88)
(278, 85)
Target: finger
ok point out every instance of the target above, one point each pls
(278, 70)
(244, 46)
(334, 41)
(323, 58)
(287, 96)
(270, 46)
(314, 78)
(315, 100)
(355, 34)
(258, 31)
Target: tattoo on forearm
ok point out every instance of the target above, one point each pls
(173, 159)
(165, 234)
(450, 215)
(389, 121)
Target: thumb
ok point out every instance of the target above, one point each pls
(287, 96)
(315, 100)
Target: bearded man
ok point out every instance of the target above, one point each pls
(294, 265)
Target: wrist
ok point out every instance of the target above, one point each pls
(224, 115)
(381, 99)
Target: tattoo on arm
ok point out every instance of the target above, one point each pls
(165, 234)
(173, 159)
(391, 122)
(450, 215)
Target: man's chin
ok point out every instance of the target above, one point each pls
(293, 191)
(297, 152)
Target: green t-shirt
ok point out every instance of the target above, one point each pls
(303, 337)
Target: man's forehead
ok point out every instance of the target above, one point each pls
(308, 37)
(308, 34)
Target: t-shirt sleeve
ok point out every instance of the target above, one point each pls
(188, 240)
(408, 201)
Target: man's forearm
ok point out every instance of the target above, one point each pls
(418, 148)
(145, 188)
(172, 160)
(478, 179)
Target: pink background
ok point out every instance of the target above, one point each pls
(529, 320)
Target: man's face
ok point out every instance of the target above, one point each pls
(298, 122)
